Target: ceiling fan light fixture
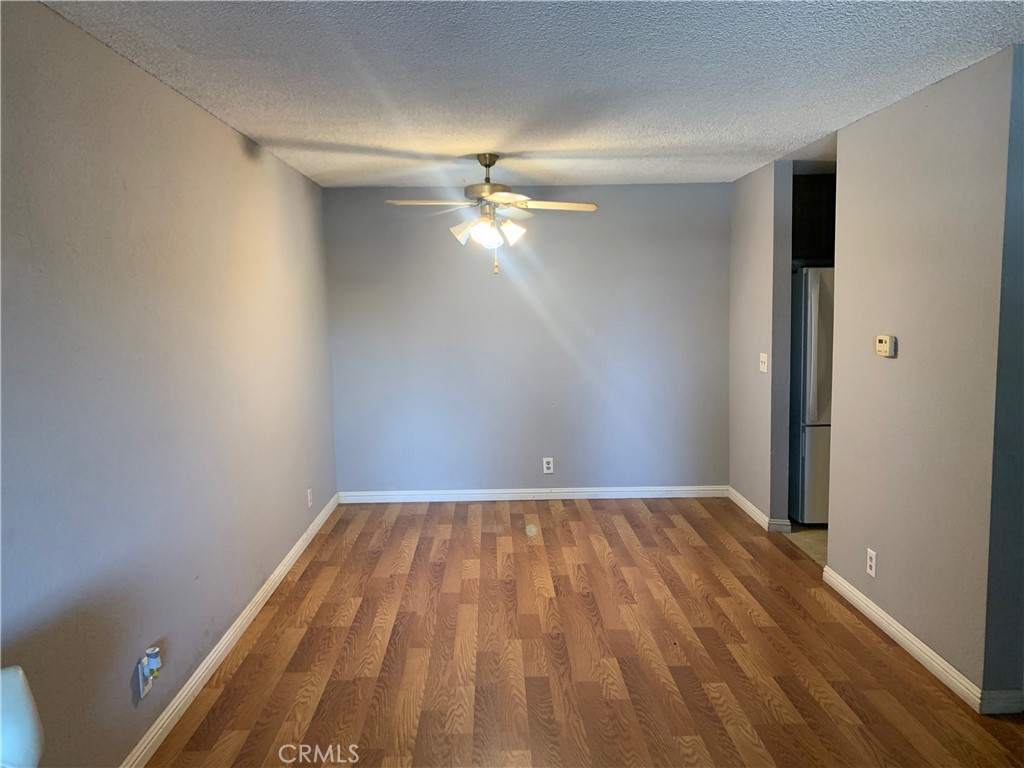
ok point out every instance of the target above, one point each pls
(486, 233)
(499, 207)
(512, 231)
(461, 231)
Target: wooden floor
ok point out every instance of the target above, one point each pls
(603, 633)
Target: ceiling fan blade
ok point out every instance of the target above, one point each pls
(512, 212)
(446, 210)
(457, 203)
(549, 205)
(505, 198)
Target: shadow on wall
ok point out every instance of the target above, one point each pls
(250, 148)
(69, 666)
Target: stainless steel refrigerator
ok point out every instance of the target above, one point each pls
(811, 394)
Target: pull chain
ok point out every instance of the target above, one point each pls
(495, 261)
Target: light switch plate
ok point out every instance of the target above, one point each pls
(763, 363)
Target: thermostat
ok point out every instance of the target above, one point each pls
(885, 346)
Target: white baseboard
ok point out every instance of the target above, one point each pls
(170, 716)
(741, 501)
(984, 702)
(516, 494)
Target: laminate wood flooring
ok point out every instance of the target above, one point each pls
(662, 632)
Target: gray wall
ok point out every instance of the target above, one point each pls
(1004, 632)
(602, 343)
(919, 243)
(166, 382)
(759, 320)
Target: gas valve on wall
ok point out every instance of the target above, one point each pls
(149, 669)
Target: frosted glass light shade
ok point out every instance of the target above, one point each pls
(512, 231)
(461, 231)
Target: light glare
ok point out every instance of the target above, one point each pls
(486, 234)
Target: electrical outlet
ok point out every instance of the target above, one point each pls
(549, 466)
(309, 498)
(763, 362)
(871, 563)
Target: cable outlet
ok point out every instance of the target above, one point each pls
(871, 563)
(549, 466)
(309, 498)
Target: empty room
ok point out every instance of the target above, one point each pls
(512, 384)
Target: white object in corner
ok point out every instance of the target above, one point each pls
(984, 702)
(516, 494)
(741, 501)
(21, 732)
(157, 732)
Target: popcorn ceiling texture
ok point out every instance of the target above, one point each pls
(388, 93)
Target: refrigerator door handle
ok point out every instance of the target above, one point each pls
(813, 288)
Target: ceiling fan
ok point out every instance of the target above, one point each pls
(498, 206)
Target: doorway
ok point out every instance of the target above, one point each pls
(810, 403)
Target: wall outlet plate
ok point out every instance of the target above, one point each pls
(549, 466)
(145, 681)
(309, 498)
(872, 558)
(763, 362)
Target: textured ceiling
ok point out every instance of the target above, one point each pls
(390, 93)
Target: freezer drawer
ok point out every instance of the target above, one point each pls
(814, 467)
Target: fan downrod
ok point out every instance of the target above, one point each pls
(480, 191)
(487, 160)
